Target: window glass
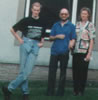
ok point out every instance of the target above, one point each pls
(84, 3)
(50, 10)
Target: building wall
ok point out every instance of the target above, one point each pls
(9, 12)
(12, 11)
(96, 42)
(8, 16)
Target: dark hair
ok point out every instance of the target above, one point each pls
(89, 13)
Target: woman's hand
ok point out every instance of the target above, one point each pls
(88, 57)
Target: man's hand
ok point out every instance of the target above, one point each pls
(61, 36)
(71, 44)
(40, 44)
(17, 36)
(21, 41)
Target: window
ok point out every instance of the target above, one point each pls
(51, 8)
(86, 3)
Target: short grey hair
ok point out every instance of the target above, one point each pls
(37, 4)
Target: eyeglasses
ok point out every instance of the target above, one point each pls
(63, 14)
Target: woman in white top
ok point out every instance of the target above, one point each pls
(83, 50)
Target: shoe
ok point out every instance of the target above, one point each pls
(6, 93)
(25, 97)
(49, 94)
(60, 94)
(81, 93)
(75, 93)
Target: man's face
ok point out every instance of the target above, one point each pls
(35, 11)
(64, 14)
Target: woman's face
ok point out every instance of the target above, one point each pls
(84, 15)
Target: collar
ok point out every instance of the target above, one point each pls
(83, 27)
(67, 22)
(36, 18)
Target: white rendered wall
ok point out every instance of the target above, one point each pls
(8, 16)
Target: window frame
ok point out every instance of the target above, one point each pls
(74, 13)
(74, 10)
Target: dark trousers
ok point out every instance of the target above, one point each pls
(54, 59)
(80, 70)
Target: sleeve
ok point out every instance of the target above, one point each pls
(19, 26)
(92, 31)
(73, 32)
(52, 33)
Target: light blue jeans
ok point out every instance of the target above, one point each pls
(28, 54)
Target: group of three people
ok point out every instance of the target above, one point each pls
(65, 37)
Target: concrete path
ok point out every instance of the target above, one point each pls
(9, 72)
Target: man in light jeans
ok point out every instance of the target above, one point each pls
(33, 30)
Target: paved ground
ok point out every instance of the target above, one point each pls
(10, 71)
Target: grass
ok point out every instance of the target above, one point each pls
(38, 91)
